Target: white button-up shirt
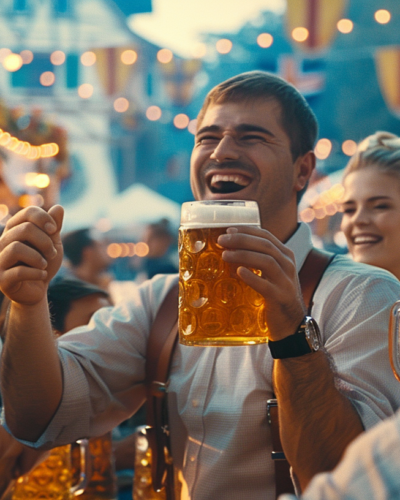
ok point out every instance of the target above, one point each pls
(217, 396)
(370, 469)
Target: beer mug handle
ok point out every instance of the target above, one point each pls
(394, 332)
(79, 488)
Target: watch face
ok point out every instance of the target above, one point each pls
(313, 335)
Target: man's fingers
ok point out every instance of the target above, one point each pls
(13, 278)
(19, 253)
(57, 214)
(36, 216)
(27, 235)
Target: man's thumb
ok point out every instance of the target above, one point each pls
(57, 212)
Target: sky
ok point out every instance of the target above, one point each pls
(178, 24)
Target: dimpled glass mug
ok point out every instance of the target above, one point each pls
(52, 479)
(216, 308)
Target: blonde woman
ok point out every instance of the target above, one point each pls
(371, 216)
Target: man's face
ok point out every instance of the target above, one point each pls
(242, 152)
(82, 310)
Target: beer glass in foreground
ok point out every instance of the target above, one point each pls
(216, 308)
(394, 334)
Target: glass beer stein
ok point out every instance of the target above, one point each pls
(102, 484)
(52, 479)
(394, 334)
(216, 308)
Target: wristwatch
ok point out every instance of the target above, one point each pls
(306, 339)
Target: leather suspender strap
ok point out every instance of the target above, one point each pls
(310, 276)
(161, 343)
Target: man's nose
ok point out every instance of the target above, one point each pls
(226, 149)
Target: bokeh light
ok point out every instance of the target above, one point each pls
(192, 127)
(27, 56)
(85, 91)
(181, 121)
(13, 62)
(88, 58)
(349, 147)
(153, 113)
(141, 249)
(223, 46)
(121, 105)
(114, 250)
(382, 16)
(265, 40)
(345, 26)
(164, 56)
(129, 57)
(199, 50)
(47, 79)
(323, 149)
(57, 57)
(300, 34)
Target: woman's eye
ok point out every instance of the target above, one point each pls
(348, 210)
(382, 206)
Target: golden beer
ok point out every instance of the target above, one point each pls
(102, 484)
(50, 480)
(215, 306)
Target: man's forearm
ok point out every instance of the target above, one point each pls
(316, 421)
(31, 376)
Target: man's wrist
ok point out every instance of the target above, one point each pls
(305, 340)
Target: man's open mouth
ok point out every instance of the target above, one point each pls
(228, 183)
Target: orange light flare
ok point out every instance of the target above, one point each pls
(181, 121)
(129, 57)
(224, 46)
(323, 149)
(349, 147)
(345, 26)
(164, 56)
(265, 40)
(300, 34)
(382, 16)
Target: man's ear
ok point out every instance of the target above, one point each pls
(304, 167)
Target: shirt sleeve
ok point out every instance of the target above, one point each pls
(353, 307)
(103, 367)
(369, 469)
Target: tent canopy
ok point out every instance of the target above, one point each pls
(141, 205)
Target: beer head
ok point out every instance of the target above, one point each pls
(219, 213)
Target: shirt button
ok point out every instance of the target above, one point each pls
(195, 403)
(192, 458)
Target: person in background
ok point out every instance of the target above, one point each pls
(371, 203)
(162, 245)
(72, 303)
(87, 257)
(254, 141)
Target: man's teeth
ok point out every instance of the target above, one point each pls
(237, 179)
(358, 240)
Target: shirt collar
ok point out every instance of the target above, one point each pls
(300, 243)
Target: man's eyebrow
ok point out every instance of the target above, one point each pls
(243, 127)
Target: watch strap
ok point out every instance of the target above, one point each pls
(290, 347)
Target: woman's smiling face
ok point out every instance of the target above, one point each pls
(371, 218)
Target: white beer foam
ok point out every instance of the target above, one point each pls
(219, 213)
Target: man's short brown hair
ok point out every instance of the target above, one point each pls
(298, 120)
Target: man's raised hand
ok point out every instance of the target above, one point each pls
(30, 253)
